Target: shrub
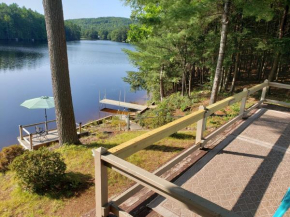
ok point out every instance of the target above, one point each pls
(39, 171)
(8, 154)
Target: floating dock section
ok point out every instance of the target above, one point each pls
(137, 107)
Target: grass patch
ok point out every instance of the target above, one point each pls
(80, 168)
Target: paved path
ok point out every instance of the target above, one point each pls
(249, 176)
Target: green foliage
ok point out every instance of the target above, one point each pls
(183, 38)
(72, 31)
(104, 28)
(21, 23)
(164, 113)
(25, 24)
(39, 171)
(8, 154)
(116, 122)
(119, 34)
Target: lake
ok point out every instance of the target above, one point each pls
(95, 66)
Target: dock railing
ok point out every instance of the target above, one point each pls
(113, 158)
(25, 134)
(28, 136)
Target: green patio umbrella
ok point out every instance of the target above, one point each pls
(44, 102)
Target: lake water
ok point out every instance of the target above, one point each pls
(25, 73)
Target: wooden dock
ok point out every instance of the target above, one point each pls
(38, 142)
(137, 107)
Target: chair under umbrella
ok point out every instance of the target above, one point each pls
(44, 102)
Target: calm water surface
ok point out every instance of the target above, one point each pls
(25, 73)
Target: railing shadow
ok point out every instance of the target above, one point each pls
(256, 188)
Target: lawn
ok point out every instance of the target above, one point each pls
(80, 164)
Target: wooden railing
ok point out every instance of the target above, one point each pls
(113, 158)
(29, 136)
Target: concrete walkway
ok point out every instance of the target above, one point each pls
(248, 172)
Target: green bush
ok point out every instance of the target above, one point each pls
(39, 171)
(8, 154)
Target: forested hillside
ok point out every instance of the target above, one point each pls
(25, 24)
(180, 46)
(104, 28)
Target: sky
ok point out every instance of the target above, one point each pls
(81, 8)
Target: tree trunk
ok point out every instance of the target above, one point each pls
(59, 72)
(183, 84)
(281, 34)
(235, 72)
(161, 84)
(220, 60)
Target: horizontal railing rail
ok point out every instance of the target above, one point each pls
(113, 158)
(33, 125)
(186, 199)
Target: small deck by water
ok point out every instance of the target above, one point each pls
(38, 142)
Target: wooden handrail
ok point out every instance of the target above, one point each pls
(279, 85)
(258, 87)
(128, 148)
(165, 188)
(132, 146)
(32, 125)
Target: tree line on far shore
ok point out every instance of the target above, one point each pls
(104, 28)
(18, 23)
(183, 44)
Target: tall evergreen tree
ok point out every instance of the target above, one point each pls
(59, 72)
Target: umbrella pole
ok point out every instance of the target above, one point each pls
(46, 122)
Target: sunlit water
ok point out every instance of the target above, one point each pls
(25, 73)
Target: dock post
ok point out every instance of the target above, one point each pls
(30, 140)
(101, 183)
(20, 132)
(128, 122)
(80, 127)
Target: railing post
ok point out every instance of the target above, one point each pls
(243, 103)
(20, 132)
(264, 92)
(101, 184)
(30, 140)
(80, 127)
(128, 122)
(46, 127)
(200, 128)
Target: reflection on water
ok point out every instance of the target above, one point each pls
(95, 66)
(15, 56)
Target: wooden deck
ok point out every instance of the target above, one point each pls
(37, 142)
(124, 104)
